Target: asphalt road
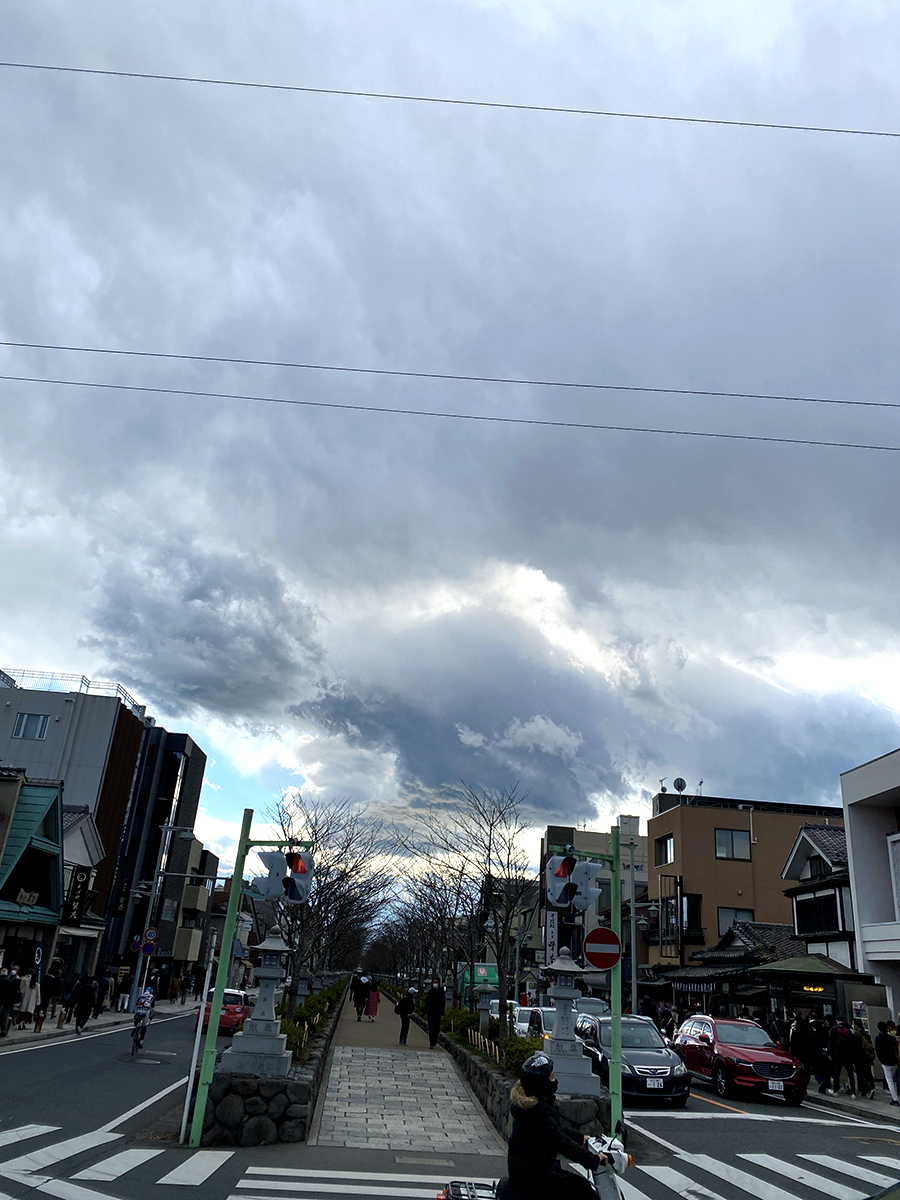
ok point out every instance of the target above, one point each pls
(80, 1119)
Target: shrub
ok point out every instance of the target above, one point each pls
(458, 1020)
(514, 1051)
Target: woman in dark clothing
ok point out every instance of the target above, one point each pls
(84, 998)
(404, 1009)
(537, 1137)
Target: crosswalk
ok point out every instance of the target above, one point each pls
(79, 1168)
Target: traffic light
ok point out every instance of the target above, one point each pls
(558, 876)
(582, 877)
(273, 887)
(300, 876)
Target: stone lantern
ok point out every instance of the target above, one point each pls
(303, 979)
(485, 992)
(261, 1048)
(572, 1068)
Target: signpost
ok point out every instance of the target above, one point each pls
(602, 948)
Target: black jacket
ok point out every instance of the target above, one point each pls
(435, 1002)
(405, 1005)
(886, 1050)
(10, 991)
(537, 1137)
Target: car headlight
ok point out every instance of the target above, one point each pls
(679, 1069)
(740, 1062)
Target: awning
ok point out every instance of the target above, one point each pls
(809, 964)
(81, 931)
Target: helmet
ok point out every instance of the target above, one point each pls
(539, 1066)
(413, 991)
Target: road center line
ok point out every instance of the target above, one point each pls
(132, 1112)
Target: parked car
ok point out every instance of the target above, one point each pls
(510, 1004)
(236, 1008)
(739, 1056)
(649, 1067)
(592, 1004)
(540, 1022)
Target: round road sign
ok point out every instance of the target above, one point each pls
(136, 944)
(148, 948)
(151, 934)
(602, 948)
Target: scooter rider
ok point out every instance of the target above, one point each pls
(538, 1136)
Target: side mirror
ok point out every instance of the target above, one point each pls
(705, 1039)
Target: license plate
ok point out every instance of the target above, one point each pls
(654, 1083)
(775, 1085)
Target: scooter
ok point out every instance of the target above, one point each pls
(603, 1179)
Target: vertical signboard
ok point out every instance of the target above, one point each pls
(551, 935)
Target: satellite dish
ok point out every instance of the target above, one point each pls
(679, 785)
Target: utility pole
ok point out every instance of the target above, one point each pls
(633, 923)
(615, 980)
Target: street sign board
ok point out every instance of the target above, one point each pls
(151, 934)
(602, 948)
(148, 948)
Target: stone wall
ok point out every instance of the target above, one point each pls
(250, 1110)
(584, 1115)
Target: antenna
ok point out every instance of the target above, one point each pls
(679, 785)
(700, 788)
(661, 782)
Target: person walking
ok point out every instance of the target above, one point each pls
(373, 1000)
(359, 991)
(864, 1056)
(842, 1054)
(10, 991)
(888, 1054)
(804, 1044)
(51, 986)
(30, 1001)
(404, 1010)
(102, 990)
(84, 999)
(435, 1007)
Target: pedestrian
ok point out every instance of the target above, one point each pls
(51, 986)
(435, 1007)
(102, 990)
(359, 991)
(10, 991)
(404, 1008)
(84, 999)
(538, 1137)
(30, 1000)
(124, 993)
(373, 1000)
(864, 1056)
(842, 1053)
(804, 1044)
(187, 985)
(888, 1054)
(174, 988)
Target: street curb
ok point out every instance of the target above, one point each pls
(49, 1035)
(835, 1104)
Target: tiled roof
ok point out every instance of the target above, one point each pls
(829, 840)
(753, 941)
(72, 814)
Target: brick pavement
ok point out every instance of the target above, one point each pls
(383, 1096)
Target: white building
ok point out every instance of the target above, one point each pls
(871, 797)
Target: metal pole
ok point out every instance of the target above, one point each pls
(208, 1066)
(633, 931)
(615, 996)
(190, 1083)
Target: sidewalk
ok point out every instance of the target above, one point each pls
(106, 1020)
(879, 1108)
(383, 1096)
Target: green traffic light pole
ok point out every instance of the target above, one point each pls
(208, 1063)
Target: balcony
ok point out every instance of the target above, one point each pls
(195, 897)
(187, 945)
(881, 943)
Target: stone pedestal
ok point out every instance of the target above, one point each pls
(261, 1049)
(570, 1065)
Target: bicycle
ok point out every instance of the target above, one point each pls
(138, 1033)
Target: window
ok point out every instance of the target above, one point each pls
(691, 920)
(31, 725)
(733, 843)
(817, 866)
(664, 849)
(728, 916)
(817, 914)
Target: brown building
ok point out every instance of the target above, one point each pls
(714, 861)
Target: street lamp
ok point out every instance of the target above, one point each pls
(572, 1069)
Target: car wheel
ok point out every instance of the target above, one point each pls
(680, 1101)
(794, 1099)
(720, 1080)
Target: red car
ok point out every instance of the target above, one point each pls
(739, 1056)
(235, 1010)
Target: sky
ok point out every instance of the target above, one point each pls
(376, 605)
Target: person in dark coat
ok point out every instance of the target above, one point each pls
(863, 1057)
(537, 1137)
(359, 992)
(435, 1007)
(842, 1051)
(10, 993)
(888, 1054)
(404, 1008)
(83, 1001)
(804, 1045)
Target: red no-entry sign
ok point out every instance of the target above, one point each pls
(602, 948)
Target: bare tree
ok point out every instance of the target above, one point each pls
(350, 888)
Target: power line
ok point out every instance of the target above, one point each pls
(418, 412)
(448, 375)
(499, 104)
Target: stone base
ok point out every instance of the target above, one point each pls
(243, 1111)
(249, 1061)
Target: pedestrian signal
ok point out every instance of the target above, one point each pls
(300, 876)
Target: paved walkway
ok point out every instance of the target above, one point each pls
(383, 1096)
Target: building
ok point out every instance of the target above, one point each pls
(823, 911)
(80, 929)
(716, 860)
(31, 867)
(871, 799)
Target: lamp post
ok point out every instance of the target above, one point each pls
(572, 1069)
(485, 991)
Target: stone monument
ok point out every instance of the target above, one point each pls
(571, 1067)
(261, 1048)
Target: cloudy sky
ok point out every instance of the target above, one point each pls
(377, 605)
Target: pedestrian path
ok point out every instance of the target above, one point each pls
(383, 1096)
(71, 1169)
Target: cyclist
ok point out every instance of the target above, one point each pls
(143, 1012)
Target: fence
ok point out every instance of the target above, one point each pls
(485, 1045)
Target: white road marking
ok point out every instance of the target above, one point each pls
(778, 1117)
(112, 1168)
(132, 1112)
(848, 1167)
(882, 1160)
(740, 1179)
(680, 1184)
(198, 1168)
(57, 1152)
(7, 1136)
(778, 1166)
(302, 1173)
(348, 1189)
(628, 1190)
(85, 1036)
(65, 1190)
